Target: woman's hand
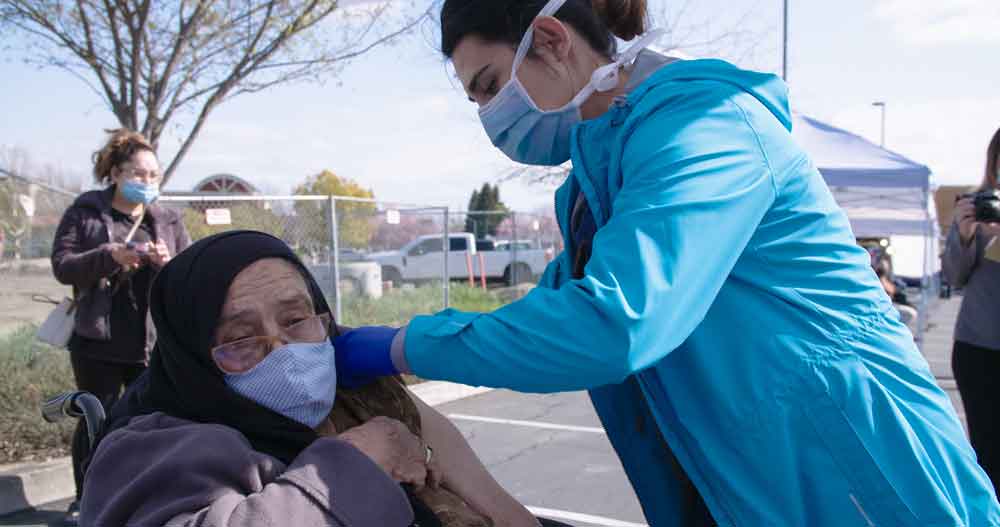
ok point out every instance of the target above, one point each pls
(160, 254)
(125, 257)
(965, 217)
(395, 450)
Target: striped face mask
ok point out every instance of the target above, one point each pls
(297, 380)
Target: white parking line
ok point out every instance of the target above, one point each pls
(435, 393)
(534, 424)
(578, 517)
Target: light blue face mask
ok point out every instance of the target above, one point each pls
(137, 192)
(296, 380)
(530, 135)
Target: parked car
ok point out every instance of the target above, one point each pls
(528, 259)
(422, 260)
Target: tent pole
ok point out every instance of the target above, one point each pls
(922, 315)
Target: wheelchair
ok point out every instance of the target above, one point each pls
(80, 404)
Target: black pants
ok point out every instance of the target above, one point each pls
(976, 372)
(105, 380)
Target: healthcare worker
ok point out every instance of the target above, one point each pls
(744, 360)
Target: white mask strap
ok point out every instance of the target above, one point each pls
(605, 78)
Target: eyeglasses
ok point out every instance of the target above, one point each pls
(149, 176)
(241, 355)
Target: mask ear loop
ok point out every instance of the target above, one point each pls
(603, 79)
(606, 77)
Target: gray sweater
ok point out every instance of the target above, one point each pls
(964, 266)
(160, 470)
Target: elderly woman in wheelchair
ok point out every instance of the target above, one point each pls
(239, 420)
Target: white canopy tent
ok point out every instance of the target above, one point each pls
(883, 193)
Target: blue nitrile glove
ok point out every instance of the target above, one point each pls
(364, 354)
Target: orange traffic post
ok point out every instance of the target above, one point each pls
(468, 265)
(482, 270)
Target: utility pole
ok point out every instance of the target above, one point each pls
(784, 43)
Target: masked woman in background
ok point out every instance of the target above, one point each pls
(108, 246)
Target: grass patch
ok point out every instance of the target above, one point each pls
(30, 372)
(397, 307)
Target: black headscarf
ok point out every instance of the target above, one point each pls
(186, 302)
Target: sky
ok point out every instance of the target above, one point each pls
(395, 120)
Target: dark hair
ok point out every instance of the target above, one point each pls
(597, 21)
(992, 163)
(121, 146)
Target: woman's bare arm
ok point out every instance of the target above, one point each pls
(464, 474)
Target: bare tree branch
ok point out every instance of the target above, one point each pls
(181, 43)
(154, 60)
(349, 55)
(35, 23)
(124, 116)
(136, 22)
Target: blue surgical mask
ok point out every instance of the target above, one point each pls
(136, 192)
(296, 380)
(530, 135)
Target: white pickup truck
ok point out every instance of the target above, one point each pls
(421, 259)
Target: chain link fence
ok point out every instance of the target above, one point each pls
(29, 214)
(377, 262)
(352, 246)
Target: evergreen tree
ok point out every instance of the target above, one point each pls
(486, 199)
(470, 220)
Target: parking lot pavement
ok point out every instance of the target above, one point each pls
(550, 453)
(937, 347)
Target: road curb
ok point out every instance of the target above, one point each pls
(27, 485)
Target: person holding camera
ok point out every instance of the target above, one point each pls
(972, 260)
(108, 246)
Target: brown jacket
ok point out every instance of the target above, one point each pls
(161, 470)
(81, 257)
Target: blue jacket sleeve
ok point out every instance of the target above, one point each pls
(695, 185)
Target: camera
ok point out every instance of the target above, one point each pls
(987, 203)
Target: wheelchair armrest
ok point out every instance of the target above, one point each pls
(76, 404)
(58, 407)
